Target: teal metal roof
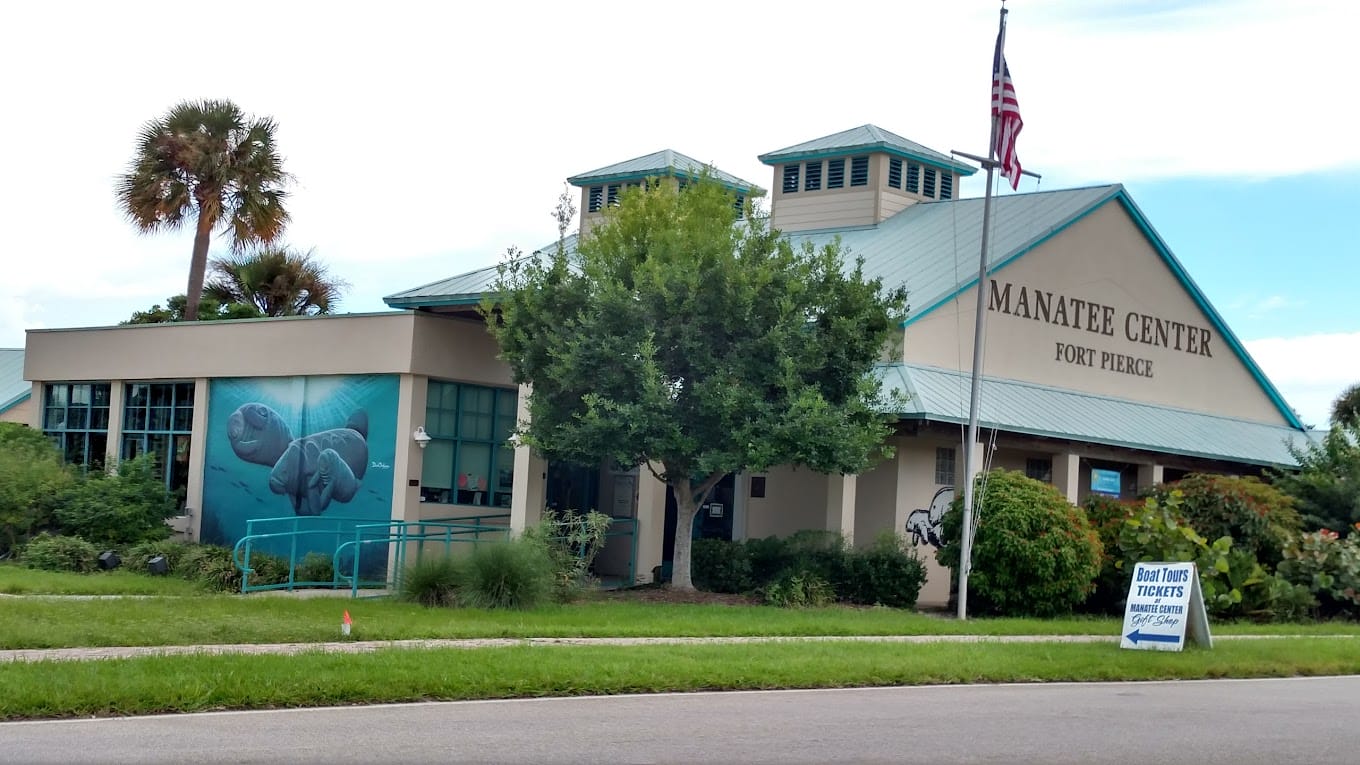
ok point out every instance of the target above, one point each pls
(14, 390)
(941, 395)
(864, 138)
(931, 248)
(463, 289)
(665, 162)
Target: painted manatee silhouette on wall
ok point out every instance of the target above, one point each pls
(312, 471)
(258, 434)
(924, 525)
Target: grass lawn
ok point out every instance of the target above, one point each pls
(18, 580)
(56, 623)
(195, 683)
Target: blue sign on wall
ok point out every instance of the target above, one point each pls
(1105, 482)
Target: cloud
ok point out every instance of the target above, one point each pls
(1310, 370)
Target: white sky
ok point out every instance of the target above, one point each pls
(427, 137)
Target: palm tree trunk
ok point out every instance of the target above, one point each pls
(198, 266)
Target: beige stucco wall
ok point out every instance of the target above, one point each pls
(875, 501)
(1103, 259)
(24, 412)
(794, 499)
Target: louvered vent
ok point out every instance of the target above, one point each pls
(913, 178)
(613, 197)
(946, 185)
(835, 173)
(790, 179)
(894, 173)
(859, 171)
(596, 199)
(812, 176)
(928, 188)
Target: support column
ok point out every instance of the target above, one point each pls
(1149, 476)
(530, 491)
(840, 505)
(1067, 475)
(198, 460)
(113, 442)
(407, 458)
(651, 524)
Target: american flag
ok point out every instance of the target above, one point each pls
(1006, 112)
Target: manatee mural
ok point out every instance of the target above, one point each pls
(319, 449)
(924, 524)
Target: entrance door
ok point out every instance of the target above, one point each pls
(713, 521)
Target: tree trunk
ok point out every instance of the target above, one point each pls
(198, 267)
(685, 508)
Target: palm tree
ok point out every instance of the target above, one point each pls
(277, 281)
(208, 161)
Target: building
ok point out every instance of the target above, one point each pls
(15, 392)
(1107, 370)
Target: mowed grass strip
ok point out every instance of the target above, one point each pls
(197, 683)
(17, 580)
(27, 623)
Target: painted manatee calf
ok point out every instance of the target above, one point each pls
(295, 475)
(258, 434)
(333, 480)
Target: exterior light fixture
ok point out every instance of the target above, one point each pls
(421, 438)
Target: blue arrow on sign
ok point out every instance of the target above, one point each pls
(1151, 637)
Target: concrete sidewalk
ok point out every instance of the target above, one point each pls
(367, 646)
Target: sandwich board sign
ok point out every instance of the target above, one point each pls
(1165, 607)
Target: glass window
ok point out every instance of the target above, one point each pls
(1039, 468)
(158, 419)
(467, 460)
(76, 418)
(944, 466)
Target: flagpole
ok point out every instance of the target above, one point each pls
(970, 467)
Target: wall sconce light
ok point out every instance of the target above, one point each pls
(421, 438)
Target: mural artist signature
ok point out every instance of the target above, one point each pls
(380, 466)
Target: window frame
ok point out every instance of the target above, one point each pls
(946, 466)
(88, 434)
(177, 433)
(499, 465)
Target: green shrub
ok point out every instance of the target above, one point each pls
(430, 581)
(1106, 516)
(768, 557)
(888, 573)
(122, 508)
(572, 541)
(141, 553)
(267, 568)
(798, 588)
(1033, 553)
(60, 553)
(210, 565)
(32, 480)
(1329, 567)
(1260, 519)
(721, 565)
(514, 574)
(1232, 581)
(315, 567)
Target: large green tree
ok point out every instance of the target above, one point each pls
(1346, 408)
(277, 281)
(209, 163)
(1326, 486)
(677, 338)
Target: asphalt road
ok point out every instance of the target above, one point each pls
(1228, 721)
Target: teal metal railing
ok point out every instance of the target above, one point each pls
(404, 542)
